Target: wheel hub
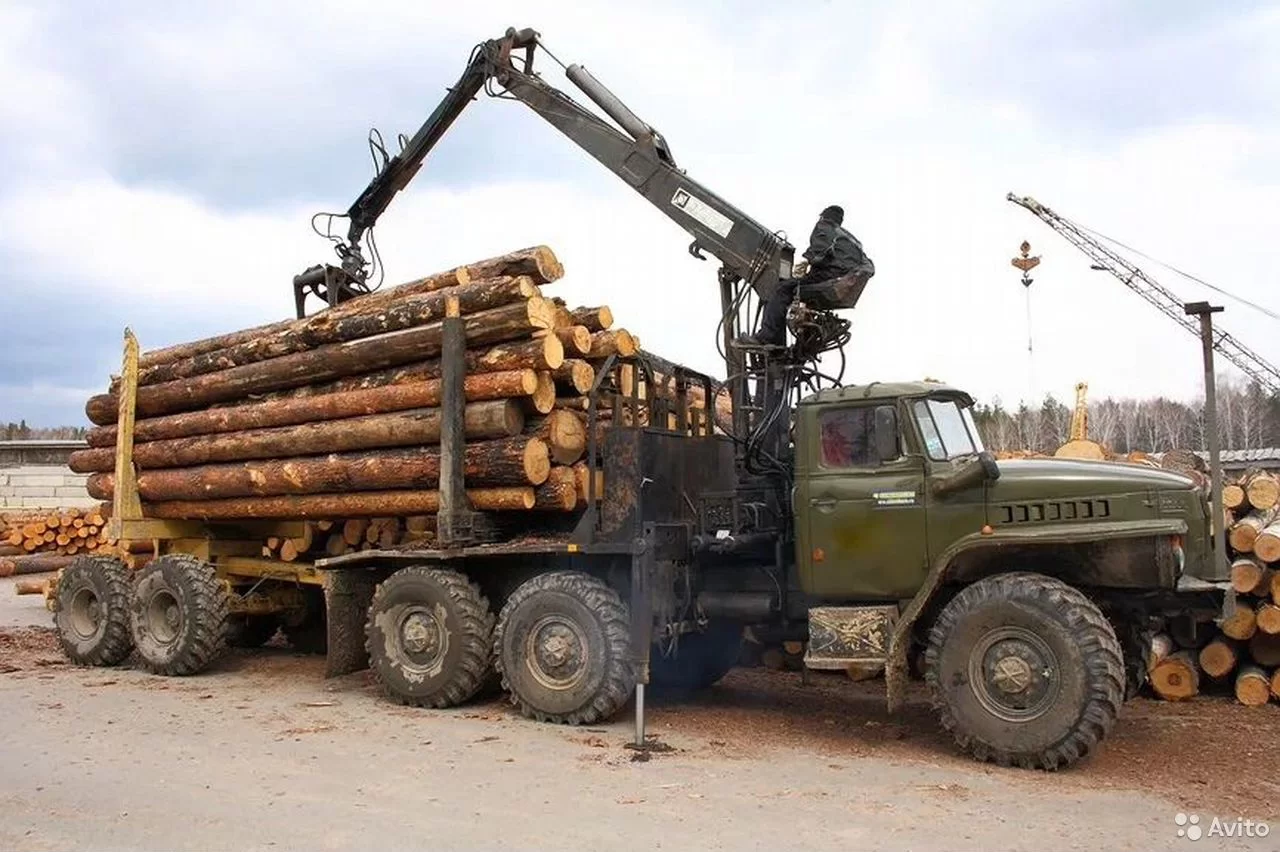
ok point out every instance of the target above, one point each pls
(1014, 674)
(420, 633)
(556, 651)
(423, 638)
(164, 617)
(86, 613)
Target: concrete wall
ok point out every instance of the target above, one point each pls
(42, 487)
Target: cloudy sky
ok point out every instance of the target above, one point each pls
(160, 162)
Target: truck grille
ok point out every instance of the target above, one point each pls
(1059, 510)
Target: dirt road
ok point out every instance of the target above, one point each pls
(263, 753)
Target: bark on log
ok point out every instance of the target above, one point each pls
(360, 504)
(512, 461)
(582, 475)
(33, 564)
(1264, 648)
(574, 376)
(308, 409)
(564, 434)
(1244, 533)
(595, 319)
(333, 327)
(1267, 545)
(1162, 645)
(1218, 659)
(1242, 624)
(1268, 618)
(1263, 490)
(331, 361)
(606, 343)
(1253, 686)
(538, 262)
(494, 419)
(559, 493)
(1249, 577)
(1176, 678)
(11, 549)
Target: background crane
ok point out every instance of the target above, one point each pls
(1253, 365)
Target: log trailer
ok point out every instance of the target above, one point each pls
(867, 521)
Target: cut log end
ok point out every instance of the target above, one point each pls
(1176, 678)
(1218, 658)
(1253, 686)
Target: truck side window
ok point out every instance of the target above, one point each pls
(848, 437)
(932, 440)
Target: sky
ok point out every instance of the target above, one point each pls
(160, 164)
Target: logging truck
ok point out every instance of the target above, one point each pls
(867, 521)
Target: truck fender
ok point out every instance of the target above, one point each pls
(895, 669)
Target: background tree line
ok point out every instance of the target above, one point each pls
(1247, 419)
(22, 432)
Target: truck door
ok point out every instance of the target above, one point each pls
(860, 508)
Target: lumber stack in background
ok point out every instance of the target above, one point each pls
(334, 418)
(58, 531)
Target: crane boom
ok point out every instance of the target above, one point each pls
(1252, 364)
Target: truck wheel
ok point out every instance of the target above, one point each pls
(91, 611)
(700, 660)
(562, 647)
(179, 610)
(308, 630)
(1025, 670)
(251, 631)
(429, 636)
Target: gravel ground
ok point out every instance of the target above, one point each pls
(262, 752)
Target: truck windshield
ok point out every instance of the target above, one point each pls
(948, 429)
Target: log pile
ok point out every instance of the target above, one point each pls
(1243, 657)
(335, 418)
(58, 531)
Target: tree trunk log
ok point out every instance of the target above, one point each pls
(582, 478)
(1248, 576)
(335, 544)
(1275, 684)
(1218, 659)
(1268, 618)
(1244, 533)
(1162, 645)
(353, 531)
(1267, 545)
(289, 551)
(494, 419)
(33, 564)
(30, 587)
(1242, 624)
(606, 343)
(323, 363)
(538, 262)
(1233, 496)
(564, 434)
(1263, 490)
(559, 493)
(333, 327)
(1253, 686)
(1176, 678)
(359, 504)
(574, 376)
(575, 339)
(1264, 649)
(543, 398)
(513, 461)
(595, 319)
(308, 409)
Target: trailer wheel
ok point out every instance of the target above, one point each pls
(1024, 670)
(563, 649)
(179, 611)
(308, 629)
(700, 659)
(251, 631)
(429, 636)
(91, 611)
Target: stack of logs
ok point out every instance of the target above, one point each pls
(1246, 651)
(334, 418)
(45, 540)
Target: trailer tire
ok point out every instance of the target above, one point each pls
(1025, 670)
(91, 611)
(251, 631)
(429, 637)
(701, 659)
(179, 615)
(563, 649)
(308, 630)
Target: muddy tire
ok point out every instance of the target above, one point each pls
(429, 637)
(308, 630)
(562, 648)
(1025, 671)
(701, 659)
(179, 615)
(91, 611)
(251, 631)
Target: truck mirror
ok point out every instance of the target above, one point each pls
(887, 433)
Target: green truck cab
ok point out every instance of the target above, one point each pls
(1027, 589)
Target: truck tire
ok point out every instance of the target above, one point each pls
(563, 649)
(91, 611)
(308, 629)
(1025, 671)
(179, 615)
(251, 631)
(701, 659)
(429, 637)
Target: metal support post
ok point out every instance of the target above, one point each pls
(1205, 312)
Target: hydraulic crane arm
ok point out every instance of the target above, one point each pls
(1252, 364)
(640, 156)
